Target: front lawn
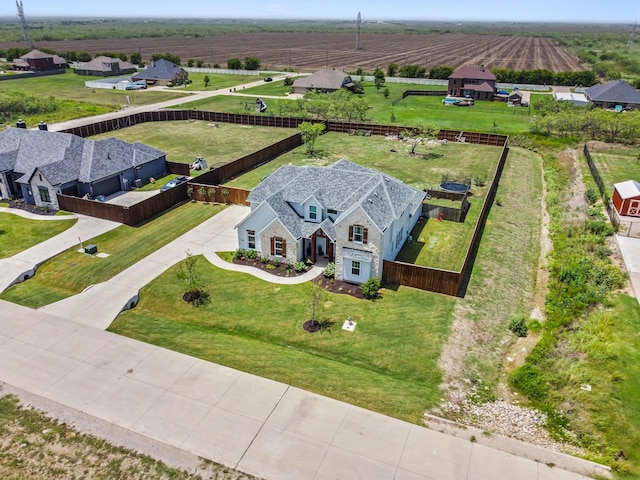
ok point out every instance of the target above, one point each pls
(389, 364)
(18, 234)
(184, 141)
(70, 272)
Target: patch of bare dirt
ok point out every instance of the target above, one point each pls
(576, 203)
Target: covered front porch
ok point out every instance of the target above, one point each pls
(319, 247)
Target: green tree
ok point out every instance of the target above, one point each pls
(190, 63)
(234, 63)
(207, 81)
(422, 132)
(310, 133)
(167, 56)
(199, 63)
(441, 72)
(392, 69)
(412, 71)
(252, 63)
(386, 93)
(136, 58)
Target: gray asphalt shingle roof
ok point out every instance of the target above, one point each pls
(340, 186)
(324, 79)
(161, 69)
(105, 64)
(618, 91)
(63, 157)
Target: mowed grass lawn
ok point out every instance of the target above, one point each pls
(71, 272)
(18, 234)
(71, 87)
(184, 141)
(437, 244)
(389, 364)
(616, 165)
(483, 117)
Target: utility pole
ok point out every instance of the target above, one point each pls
(358, 29)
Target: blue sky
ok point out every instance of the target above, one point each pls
(592, 11)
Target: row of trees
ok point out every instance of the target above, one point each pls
(250, 63)
(542, 76)
(567, 120)
(17, 104)
(338, 105)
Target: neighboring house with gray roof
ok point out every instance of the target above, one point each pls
(37, 165)
(344, 213)
(105, 67)
(615, 94)
(161, 72)
(323, 81)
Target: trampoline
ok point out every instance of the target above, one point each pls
(454, 187)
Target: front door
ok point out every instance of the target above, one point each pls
(321, 246)
(634, 208)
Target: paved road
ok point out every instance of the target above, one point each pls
(259, 426)
(25, 263)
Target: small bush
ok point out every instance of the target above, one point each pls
(169, 84)
(518, 325)
(479, 182)
(299, 266)
(271, 266)
(330, 270)
(251, 254)
(534, 325)
(239, 253)
(370, 288)
(288, 267)
(591, 195)
(264, 259)
(276, 263)
(600, 227)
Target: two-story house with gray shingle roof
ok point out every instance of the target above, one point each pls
(344, 213)
(38, 164)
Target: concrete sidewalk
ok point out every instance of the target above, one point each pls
(259, 426)
(630, 248)
(23, 265)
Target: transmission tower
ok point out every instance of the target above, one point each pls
(25, 31)
(358, 28)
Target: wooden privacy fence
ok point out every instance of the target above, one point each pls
(131, 215)
(230, 170)
(452, 214)
(218, 194)
(446, 281)
(178, 168)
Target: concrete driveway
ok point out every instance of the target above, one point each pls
(259, 426)
(100, 304)
(24, 264)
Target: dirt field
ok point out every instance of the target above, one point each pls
(310, 51)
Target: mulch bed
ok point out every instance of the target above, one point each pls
(30, 208)
(340, 287)
(279, 271)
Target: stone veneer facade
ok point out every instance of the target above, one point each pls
(373, 245)
(276, 229)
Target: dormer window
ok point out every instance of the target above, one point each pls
(313, 212)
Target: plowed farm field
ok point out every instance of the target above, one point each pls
(310, 51)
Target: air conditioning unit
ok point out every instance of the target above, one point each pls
(138, 182)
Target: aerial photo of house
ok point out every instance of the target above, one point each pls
(349, 214)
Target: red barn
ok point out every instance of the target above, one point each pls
(626, 198)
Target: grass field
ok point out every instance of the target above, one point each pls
(423, 170)
(616, 165)
(388, 364)
(18, 234)
(483, 117)
(216, 81)
(70, 272)
(184, 141)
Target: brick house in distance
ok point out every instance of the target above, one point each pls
(472, 81)
(37, 61)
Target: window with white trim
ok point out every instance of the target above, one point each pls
(313, 212)
(277, 246)
(251, 237)
(358, 233)
(355, 268)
